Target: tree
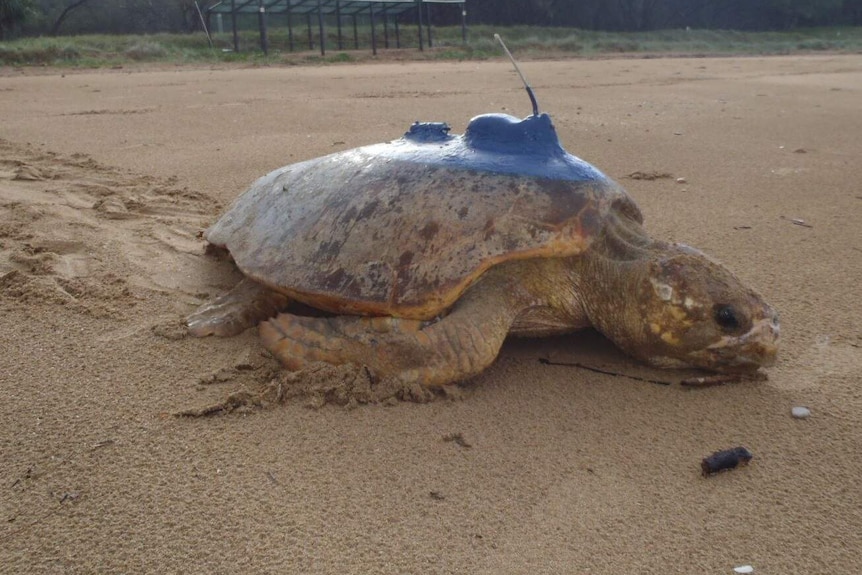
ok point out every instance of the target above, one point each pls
(791, 13)
(12, 13)
(149, 16)
(852, 12)
(68, 9)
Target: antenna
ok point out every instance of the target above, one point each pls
(518, 70)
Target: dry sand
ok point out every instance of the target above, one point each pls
(106, 178)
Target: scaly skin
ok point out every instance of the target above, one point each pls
(660, 302)
(458, 346)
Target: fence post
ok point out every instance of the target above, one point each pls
(419, 23)
(261, 16)
(233, 24)
(321, 27)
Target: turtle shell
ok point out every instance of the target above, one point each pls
(403, 228)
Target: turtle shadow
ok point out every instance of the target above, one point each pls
(590, 351)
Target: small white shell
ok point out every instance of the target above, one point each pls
(800, 412)
(744, 569)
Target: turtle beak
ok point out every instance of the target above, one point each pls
(763, 340)
(754, 349)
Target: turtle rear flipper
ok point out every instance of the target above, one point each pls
(247, 304)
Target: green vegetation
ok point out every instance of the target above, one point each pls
(553, 42)
(525, 41)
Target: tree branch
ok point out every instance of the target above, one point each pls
(55, 29)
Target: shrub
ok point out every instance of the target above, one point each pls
(145, 50)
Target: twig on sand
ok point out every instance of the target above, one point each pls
(458, 439)
(723, 378)
(702, 381)
(233, 401)
(545, 361)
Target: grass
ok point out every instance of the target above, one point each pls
(525, 41)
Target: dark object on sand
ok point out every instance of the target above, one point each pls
(724, 460)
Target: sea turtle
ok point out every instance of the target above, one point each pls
(431, 249)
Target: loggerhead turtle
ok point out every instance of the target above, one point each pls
(431, 249)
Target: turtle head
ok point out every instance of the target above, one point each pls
(690, 311)
(696, 313)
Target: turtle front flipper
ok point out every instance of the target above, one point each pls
(247, 304)
(452, 349)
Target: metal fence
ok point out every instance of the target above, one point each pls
(344, 13)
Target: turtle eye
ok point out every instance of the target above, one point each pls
(726, 317)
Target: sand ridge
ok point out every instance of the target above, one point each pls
(82, 234)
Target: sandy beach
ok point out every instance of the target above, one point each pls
(108, 177)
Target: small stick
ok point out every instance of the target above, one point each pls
(102, 443)
(457, 439)
(602, 371)
(236, 399)
(723, 378)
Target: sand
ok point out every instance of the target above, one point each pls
(107, 178)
